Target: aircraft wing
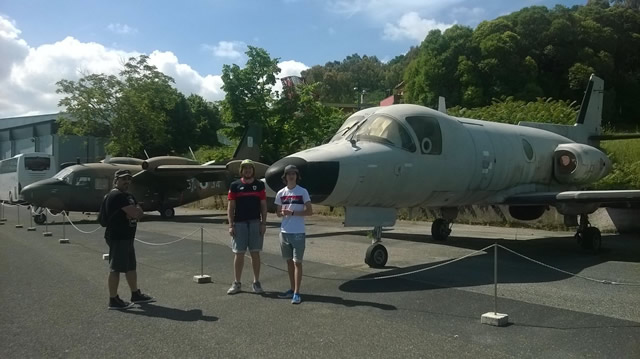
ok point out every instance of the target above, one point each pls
(612, 198)
(180, 173)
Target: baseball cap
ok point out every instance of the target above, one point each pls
(123, 173)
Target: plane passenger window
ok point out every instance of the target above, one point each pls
(386, 130)
(102, 183)
(83, 181)
(428, 132)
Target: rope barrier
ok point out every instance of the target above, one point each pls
(78, 229)
(601, 281)
(55, 215)
(164, 244)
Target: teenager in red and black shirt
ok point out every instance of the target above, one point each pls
(247, 214)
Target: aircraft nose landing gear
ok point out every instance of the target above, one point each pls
(377, 255)
(588, 237)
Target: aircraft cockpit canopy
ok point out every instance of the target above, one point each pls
(65, 175)
(346, 127)
(385, 129)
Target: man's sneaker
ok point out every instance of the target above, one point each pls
(286, 295)
(235, 288)
(257, 288)
(139, 298)
(119, 304)
(296, 298)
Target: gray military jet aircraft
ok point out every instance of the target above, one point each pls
(409, 156)
(159, 183)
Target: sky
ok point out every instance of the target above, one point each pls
(44, 41)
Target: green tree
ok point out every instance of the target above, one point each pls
(132, 110)
(248, 91)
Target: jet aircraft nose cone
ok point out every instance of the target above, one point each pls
(318, 177)
(27, 192)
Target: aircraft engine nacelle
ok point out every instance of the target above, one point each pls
(527, 213)
(576, 163)
(153, 163)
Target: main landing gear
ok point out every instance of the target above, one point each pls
(376, 256)
(588, 237)
(440, 229)
(167, 213)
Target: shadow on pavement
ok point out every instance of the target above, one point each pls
(333, 300)
(158, 311)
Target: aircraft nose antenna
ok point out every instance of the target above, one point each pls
(318, 177)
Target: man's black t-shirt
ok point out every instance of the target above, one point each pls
(247, 197)
(119, 227)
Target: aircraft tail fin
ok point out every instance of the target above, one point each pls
(249, 146)
(588, 127)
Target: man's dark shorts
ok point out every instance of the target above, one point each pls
(122, 255)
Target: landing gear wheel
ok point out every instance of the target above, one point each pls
(376, 256)
(440, 229)
(591, 239)
(40, 218)
(167, 213)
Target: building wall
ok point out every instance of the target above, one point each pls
(38, 134)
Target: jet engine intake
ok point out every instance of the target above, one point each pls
(527, 213)
(576, 163)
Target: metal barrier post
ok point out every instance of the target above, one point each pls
(495, 279)
(494, 318)
(46, 232)
(31, 228)
(64, 238)
(202, 278)
(19, 225)
(2, 217)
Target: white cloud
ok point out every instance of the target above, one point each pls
(233, 50)
(385, 10)
(412, 26)
(122, 29)
(28, 74)
(288, 68)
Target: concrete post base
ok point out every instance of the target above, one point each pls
(63, 240)
(202, 279)
(495, 319)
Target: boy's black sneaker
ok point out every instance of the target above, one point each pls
(119, 304)
(138, 298)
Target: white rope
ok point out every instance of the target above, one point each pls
(164, 244)
(55, 215)
(76, 227)
(601, 281)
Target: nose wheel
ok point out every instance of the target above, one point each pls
(377, 255)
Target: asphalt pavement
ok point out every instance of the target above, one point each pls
(55, 298)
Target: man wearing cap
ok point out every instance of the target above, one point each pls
(122, 213)
(293, 204)
(247, 215)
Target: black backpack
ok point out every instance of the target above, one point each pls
(102, 215)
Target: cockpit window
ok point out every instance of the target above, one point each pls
(347, 126)
(385, 129)
(65, 175)
(83, 181)
(427, 130)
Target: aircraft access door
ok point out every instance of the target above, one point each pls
(482, 173)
